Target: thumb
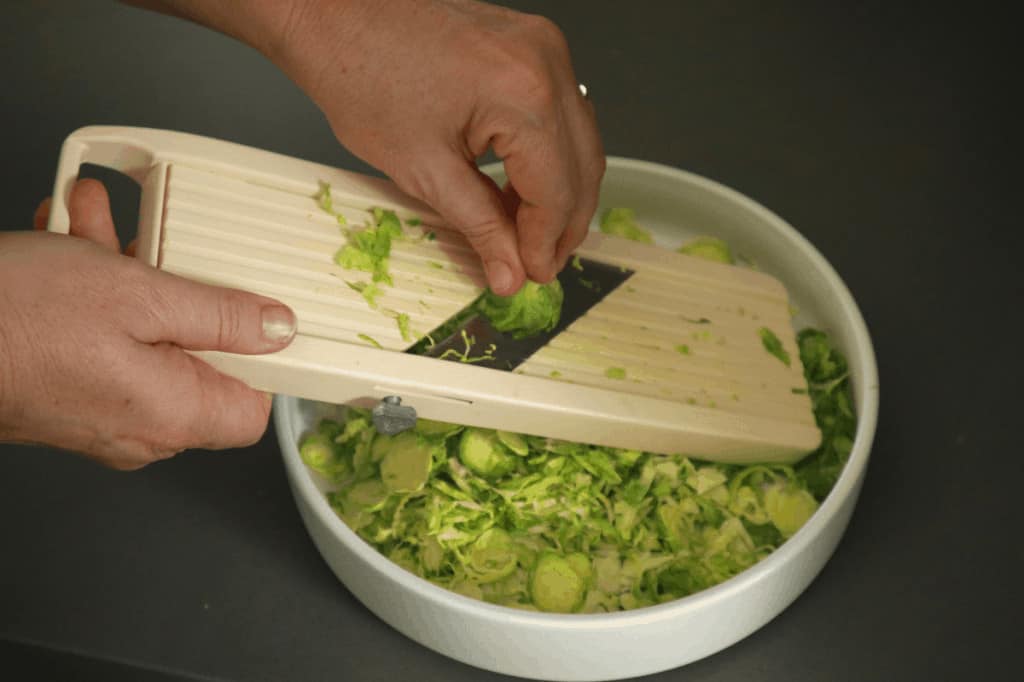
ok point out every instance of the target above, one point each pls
(471, 202)
(198, 316)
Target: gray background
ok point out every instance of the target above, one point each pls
(884, 133)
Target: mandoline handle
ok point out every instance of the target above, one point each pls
(113, 148)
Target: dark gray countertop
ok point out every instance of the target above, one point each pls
(881, 132)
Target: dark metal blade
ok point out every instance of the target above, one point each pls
(584, 283)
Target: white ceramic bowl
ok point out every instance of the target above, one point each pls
(675, 205)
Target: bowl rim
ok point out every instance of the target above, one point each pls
(867, 399)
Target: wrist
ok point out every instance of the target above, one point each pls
(260, 24)
(318, 41)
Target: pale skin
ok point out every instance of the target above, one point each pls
(95, 361)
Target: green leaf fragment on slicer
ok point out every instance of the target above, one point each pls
(368, 249)
(576, 264)
(773, 345)
(368, 290)
(615, 373)
(326, 202)
(403, 327)
(683, 349)
(370, 340)
(323, 197)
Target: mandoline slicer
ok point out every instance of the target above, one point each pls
(670, 361)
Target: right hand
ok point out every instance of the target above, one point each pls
(421, 89)
(92, 346)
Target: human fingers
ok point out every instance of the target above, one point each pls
(553, 158)
(470, 202)
(89, 213)
(198, 316)
(42, 214)
(591, 169)
(200, 407)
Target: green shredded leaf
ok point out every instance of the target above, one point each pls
(370, 340)
(465, 355)
(369, 290)
(403, 326)
(708, 248)
(326, 202)
(576, 264)
(615, 373)
(622, 222)
(323, 197)
(683, 349)
(367, 249)
(828, 382)
(773, 345)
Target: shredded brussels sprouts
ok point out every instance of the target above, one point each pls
(540, 524)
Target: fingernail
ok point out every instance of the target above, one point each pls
(499, 274)
(278, 323)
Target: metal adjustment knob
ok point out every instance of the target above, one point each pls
(391, 416)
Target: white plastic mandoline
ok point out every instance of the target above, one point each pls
(684, 330)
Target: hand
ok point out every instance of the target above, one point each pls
(422, 89)
(92, 346)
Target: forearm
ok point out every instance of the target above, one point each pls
(10, 325)
(6, 430)
(262, 24)
(300, 36)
